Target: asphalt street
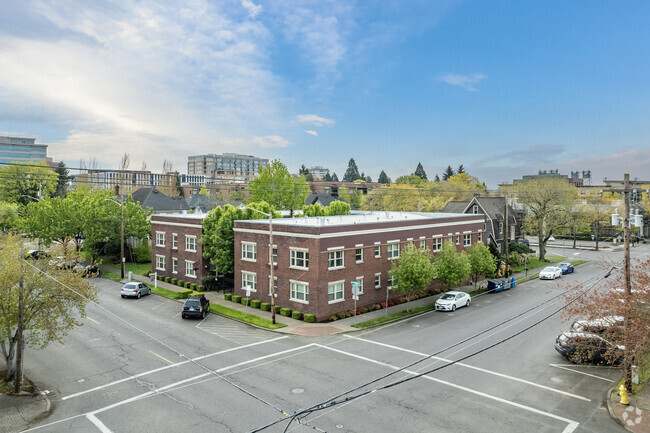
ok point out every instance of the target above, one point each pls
(136, 366)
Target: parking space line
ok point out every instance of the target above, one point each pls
(145, 373)
(93, 320)
(571, 425)
(483, 370)
(100, 425)
(581, 372)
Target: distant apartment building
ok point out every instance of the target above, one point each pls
(319, 172)
(19, 149)
(227, 167)
(332, 188)
(132, 180)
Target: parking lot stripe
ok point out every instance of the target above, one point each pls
(170, 366)
(92, 320)
(100, 425)
(580, 372)
(483, 370)
(571, 425)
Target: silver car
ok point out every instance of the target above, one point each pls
(550, 273)
(451, 300)
(136, 290)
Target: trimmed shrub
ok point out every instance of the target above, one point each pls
(341, 315)
(245, 301)
(160, 277)
(334, 318)
(227, 296)
(180, 283)
(187, 285)
(364, 310)
(184, 293)
(173, 280)
(309, 318)
(296, 315)
(193, 286)
(286, 312)
(277, 309)
(200, 287)
(255, 303)
(236, 299)
(167, 279)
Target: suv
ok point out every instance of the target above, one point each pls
(584, 347)
(195, 306)
(599, 325)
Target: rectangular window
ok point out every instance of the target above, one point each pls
(500, 228)
(475, 209)
(457, 239)
(175, 241)
(175, 265)
(480, 237)
(377, 252)
(393, 251)
(467, 240)
(160, 239)
(360, 281)
(358, 255)
(299, 258)
(391, 281)
(299, 291)
(335, 292)
(190, 243)
(437, 244)
(335, 259)
(249, 251)
(275, 255)
(249, 280)
(377, 280)
(189, 269)
(160, 262)
(275, 279)
(423, 244)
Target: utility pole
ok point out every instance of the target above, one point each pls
(505, 236)
(18, 372)
(626, 265)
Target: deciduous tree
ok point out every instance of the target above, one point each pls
(413, 271)
(451, 266)
(277, 187)
(26, 183)
(481, 262)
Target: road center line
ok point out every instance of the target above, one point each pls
(571, 425)
(163, 358)
(581, 372)
(169, 366)
(462, 364)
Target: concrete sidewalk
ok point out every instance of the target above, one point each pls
(17, 413)
(636, 416)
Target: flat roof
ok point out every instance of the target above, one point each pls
(366, 217)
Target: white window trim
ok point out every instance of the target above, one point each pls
(388, 251)
(301, 250)
(244, 288)
(360, 279)
(355, 254)
(304, 283)
(377, 251)
(465, 238)
(174, 262)
(160, 244)
(276, 285)
(273, 247)
(342, 266)
(342, 282)
(378, 281)
(174, 241)
(163, 262)
(247, 259)
(187, 238)
(191, 263)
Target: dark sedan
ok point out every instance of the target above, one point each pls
(584, 347)
(565, 267)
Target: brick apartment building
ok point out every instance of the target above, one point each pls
(175, 248)
(317, 258)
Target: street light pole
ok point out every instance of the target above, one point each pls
(626, 264)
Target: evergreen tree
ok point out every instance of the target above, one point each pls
(436, 179)
(303, 170)
(328, 178)
(335, 178)
(352, 173)
(368, 179)
(419, 172)
(461, 169)
(179, 188)
(449, 172)
(62, 183)
(383, 178)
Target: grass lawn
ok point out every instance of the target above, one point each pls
(244, 317)
(396, 316)
(644, 374)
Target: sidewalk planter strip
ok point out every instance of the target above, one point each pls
(245, 317)
(185, 293)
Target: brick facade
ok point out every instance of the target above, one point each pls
(175, 238)
(364, 243)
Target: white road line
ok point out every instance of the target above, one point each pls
(581, 372)
(161, 304)
(170, 366)
(461, 364)
(100, 425)
(92, 320)
(571, 425)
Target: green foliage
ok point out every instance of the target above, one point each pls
(26, 183)
(9, 217)
(204, 191)
(227, 296)
(142, 254)
(296, 315)
(236, 299)
(245, 301)
(383, 178)
(276, 186)
(335, 208)
(165, 292)
(184, 294)
(481, 262)
(419, 171)
(335, 178)
(519, 247)
(413, 271)
(309, 318)
(313, 210)
(173, 281)
(265, 306)
(353, 196)
(200, 287)
(449, 172)
(255, 303)
(286, 312)
(244, 316)
(411, 179)
(451, 267)
(352, 173)
(193, 287)
(167, 279)
(277, 309)
(63, 179)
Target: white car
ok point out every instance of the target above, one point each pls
(451, 300)
(550, 273)
(599, 325)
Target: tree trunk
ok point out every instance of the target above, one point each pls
(10, 359)
(542, 242)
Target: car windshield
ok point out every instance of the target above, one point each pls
(549, 269)
(192, 303)
(130, 286)
(447, 296)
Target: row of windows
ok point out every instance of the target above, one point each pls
(190, 241)
(299, 257)
(299, 290)
(190, 269)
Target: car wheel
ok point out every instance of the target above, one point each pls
(123, 296)
(139, 294)
(453, 307)
(468, 302)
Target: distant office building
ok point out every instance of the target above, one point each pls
(555, 174)
(132, 180)
(19, 149)
(319, 172)
(227, 167)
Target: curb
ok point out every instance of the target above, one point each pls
(610, 408)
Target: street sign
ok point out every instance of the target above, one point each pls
(356, 289)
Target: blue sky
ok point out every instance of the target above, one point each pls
(505, 88)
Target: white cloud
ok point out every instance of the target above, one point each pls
(251, 8)
(309, 131)
(465, 81)
(270, 141)
(313, 119)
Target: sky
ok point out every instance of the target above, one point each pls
(505, 88)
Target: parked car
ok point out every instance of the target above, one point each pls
(135, 290)
(449, 301)
(565, 267)
(60, 262)
(195, 306)
(585, 347)
(86, 271)
(550, 273)
(36, 254)
(599, 325)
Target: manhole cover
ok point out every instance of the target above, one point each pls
(556, 380)
(416, 326)
(339, 425)
(297, 390)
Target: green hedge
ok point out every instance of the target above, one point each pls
(179, 283)
(160, 278)
(173, 281)
(265, 306)
(193, 286)
(309, 318)
(246, 301)
(236, 299)
(296, 315)
(255, 303)
(286, 312)
(200, 287)
(184, 293)
(227, 296)
(188, 285)
(167, 279)
(277, 309)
